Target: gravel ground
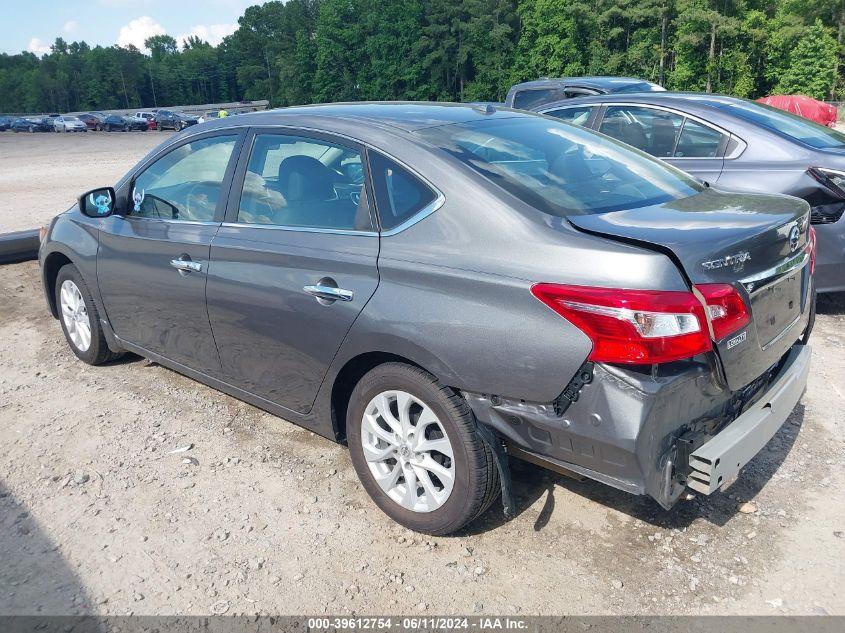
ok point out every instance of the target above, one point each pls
(43, 174)
(260, 516)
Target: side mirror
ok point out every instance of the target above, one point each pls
(98, 203)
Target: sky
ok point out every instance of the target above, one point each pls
(33, 25)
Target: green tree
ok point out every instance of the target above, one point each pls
(812, 65)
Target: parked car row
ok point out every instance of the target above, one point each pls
(100, 121)
(447, 287)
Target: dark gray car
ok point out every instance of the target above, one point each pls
(531, 94)
(738, 145)
(443, 287)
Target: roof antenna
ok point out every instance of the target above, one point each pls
(485, 108)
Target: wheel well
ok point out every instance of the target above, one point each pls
(52, 265)
(348, 377)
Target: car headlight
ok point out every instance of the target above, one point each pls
(833, 179)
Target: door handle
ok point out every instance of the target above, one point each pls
(329, 293)
(186, 265)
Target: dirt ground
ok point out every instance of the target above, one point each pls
(259, 516)
(43, 174)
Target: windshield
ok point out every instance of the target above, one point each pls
(561, 169)
(786, 124)
(71, 118)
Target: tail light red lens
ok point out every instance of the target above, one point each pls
(632, 326)
(726, 309)
(813, 247)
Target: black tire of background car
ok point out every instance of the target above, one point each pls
(476, 476)
(98, 352)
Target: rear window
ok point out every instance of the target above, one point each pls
(560, 169)
(786, 124)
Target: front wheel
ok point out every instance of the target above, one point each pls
(417, 451)
(79, 318)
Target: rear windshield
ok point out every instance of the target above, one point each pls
(786, 124)
(560, 169)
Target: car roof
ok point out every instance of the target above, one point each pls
(600, 82)
(700, 100)
(408, 116)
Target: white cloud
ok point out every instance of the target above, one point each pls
(70, 26)
(38, 47)
(211, 33)
(139, 30)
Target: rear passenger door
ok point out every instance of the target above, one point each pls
(687, 143)
(293, 264)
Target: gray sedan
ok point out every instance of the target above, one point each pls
(445, 288)
(734, 144)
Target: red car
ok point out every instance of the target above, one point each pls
(807, 107)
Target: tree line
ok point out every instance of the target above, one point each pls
(305, 51)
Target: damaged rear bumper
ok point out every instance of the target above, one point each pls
(652, 432)
(721, 457)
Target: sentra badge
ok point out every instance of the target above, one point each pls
(737, 261)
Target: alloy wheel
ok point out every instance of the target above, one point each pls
(408, 451)
(75, 315)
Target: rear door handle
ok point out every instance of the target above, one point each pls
(186, 265)
(329, 293)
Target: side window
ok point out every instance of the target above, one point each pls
(652, 131)
(296, 181)
(185, 183)
(525, 99)
(698, 141)
(399, 194)
(576, 115)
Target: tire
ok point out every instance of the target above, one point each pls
(97, 350)
(474, 475)
(31, 130)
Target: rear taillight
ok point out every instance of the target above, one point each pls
(726, 309)
(631, 326)
(813, 247)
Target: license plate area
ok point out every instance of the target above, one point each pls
(776, 306)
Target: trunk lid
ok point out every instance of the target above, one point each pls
(758, 243)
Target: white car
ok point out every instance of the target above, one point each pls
(68, 123)
(149, 117)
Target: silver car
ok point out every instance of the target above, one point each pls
(738, 145)
(447, 288)
(69, 123)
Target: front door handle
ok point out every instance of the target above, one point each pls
(329, 293)
(184, 265)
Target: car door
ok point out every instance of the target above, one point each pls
(294, 263)
(152, 261)
(678, 139)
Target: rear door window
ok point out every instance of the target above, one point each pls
(303, 182)
(698, 141)
(400, 195)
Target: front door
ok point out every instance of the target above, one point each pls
(294, 264)
(152, 262)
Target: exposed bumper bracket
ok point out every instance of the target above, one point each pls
(722, 457)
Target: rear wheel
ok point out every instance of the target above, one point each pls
(416, 449)
(79, 318)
